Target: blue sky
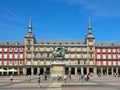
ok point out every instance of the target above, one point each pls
(60, 19)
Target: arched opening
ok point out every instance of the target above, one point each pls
(91, 70)
(84, 70)
(73, 70)
(41, 71)
(79, 70)
(35, 71)
(109, 71)
(98, 70)
(47, 71)
(21, 70)
(28, 71)
(119, 71)
(114, 70)
(104, 71)
(66, 71)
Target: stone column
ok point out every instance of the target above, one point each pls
(81, 70)
(7, 72)
(44, 69)
(24, 71)
(102, 70)
(69, 70)
(117, 70)
(2, 72)
(95, 70)
(107, 70)
(87, 70)
(75, 70)
(32, 71)
(18, 71)
(38, 70)
(112, 71)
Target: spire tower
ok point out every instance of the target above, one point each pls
(30, 25)
(89, 34)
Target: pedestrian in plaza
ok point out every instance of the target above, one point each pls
(30, 79)
(82, 77)
(11, 78)
(38, 80)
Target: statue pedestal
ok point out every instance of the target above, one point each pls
(58, 68)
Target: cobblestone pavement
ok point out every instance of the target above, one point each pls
(95, 83)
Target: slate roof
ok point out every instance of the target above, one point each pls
(63, 42)
(11, 43)
(107, 44)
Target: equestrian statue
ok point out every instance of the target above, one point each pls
(59, 52)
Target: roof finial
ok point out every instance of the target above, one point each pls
(30, 25)
(89, 26)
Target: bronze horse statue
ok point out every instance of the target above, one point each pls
(60, 52)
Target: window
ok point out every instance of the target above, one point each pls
(66, 56)
(41, 49)
(5, 62)
(119, 56)
(109, 56)
(104, 56)
(15, 62)
(20, 61)
(15, 49)
(28, 48)
(84, 49)
(5, 49)
(15, 56)
(10, 62)
(21, 56)
(0, 55)
(91, 55)
(91, 48)
(5, 56)
(114, 56)
(72, 49)
(84, 56)
(72, 56)
(109, 50)
(41, 55)
(10, 55)
(114, 50)
(78, 49)
(98, 50)
(36, 49)
(78, 56)
(35, 55)
(104, 50)
(10, 49)
(47, 55)
(48, 49)
(98, 56)
(28, 41)
(20, 49)
(28, 55)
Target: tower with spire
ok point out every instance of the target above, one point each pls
(29, 44)
(89, 37)
(29, 37)
(90, 43)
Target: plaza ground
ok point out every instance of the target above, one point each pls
(95, 83)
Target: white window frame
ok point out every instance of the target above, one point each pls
(10, 56)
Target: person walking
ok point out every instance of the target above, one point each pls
(11, 78)
(38, 80)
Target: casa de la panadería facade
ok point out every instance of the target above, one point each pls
(34, 56)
